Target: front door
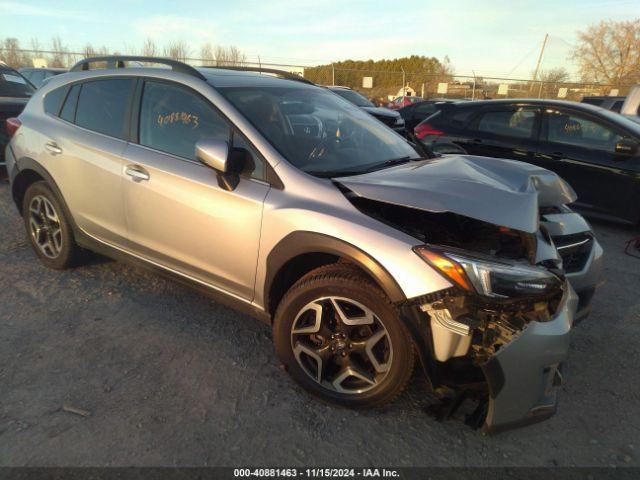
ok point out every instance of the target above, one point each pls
(178, 212)
(581, 149)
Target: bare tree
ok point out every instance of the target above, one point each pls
(149, 48)
(177, 50)
(60, 55)
(207, 55)
(554, 75)
(36, 48)
(11, 54)
(89, 51)
(609, 52)
(229, 56)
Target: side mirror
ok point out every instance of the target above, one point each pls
(214, 154)
(626, 146)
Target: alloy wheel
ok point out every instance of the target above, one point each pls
(342, 345)
(44, 226)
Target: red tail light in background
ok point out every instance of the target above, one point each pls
(11, 125)
(425, 129)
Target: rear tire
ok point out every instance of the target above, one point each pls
(341, 339)
(47, 227)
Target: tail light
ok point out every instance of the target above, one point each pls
(425, 129)
(11, 125)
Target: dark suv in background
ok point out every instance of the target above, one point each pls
(595, 150)
(15, 91)
(38, 76)
(389, 117)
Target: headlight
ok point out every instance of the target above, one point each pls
(488, 278)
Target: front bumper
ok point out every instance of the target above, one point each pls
(523, 376)
(588, 278)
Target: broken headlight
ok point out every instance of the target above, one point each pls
(488, 277)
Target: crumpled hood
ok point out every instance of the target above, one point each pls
(503, 192)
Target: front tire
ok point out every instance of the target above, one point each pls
(341, 338)
(48, 229)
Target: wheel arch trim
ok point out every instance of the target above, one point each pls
(305, 242)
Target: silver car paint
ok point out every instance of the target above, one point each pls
(306, 204)
(502, 192)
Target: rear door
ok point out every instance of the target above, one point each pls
(503, 131)
(179, 213)
(581, 148)
(82, 149)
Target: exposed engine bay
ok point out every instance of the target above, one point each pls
(451, 229)
(467, 329)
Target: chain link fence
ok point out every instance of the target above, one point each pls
(384, 86)
(379, 86)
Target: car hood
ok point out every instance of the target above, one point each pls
(503, 192)
(381, 112)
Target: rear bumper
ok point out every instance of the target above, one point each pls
(524, 375)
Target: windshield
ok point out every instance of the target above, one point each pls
(12, 84)
(319, 132)
(354, 97)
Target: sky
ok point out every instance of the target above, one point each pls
(490, 37)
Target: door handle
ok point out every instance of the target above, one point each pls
(476, 140)
(136, 172)
(53, 148)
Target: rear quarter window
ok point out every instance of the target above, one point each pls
(53, 101)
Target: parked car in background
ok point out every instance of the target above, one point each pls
(403, 101)
(610, 103)
(595, 150)
(37, 76)
(15, 91)
(390, 118)
(416, 112)
(362, 254)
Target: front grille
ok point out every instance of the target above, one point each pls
(574, 250)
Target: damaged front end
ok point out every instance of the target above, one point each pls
(500, 334)
(498, 337)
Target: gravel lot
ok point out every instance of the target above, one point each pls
(171, 378)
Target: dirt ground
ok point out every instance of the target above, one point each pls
(168, 377)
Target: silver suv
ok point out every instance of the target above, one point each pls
(282, 199)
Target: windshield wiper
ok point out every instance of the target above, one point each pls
(372, 168)
(390, 163)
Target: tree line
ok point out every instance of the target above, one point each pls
(58, 55)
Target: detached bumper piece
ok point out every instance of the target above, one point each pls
(524, 375)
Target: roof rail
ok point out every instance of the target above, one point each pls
(117, 61)
(273, 71)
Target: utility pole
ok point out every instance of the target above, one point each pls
(404, 92)
(544, 44)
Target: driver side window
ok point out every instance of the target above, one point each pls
(574, 130)
(173, 119)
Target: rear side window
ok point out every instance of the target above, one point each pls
(68, 112)
(173, 119)
(509, 123)
(456, 117)
(102, 106)
(53, 100)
